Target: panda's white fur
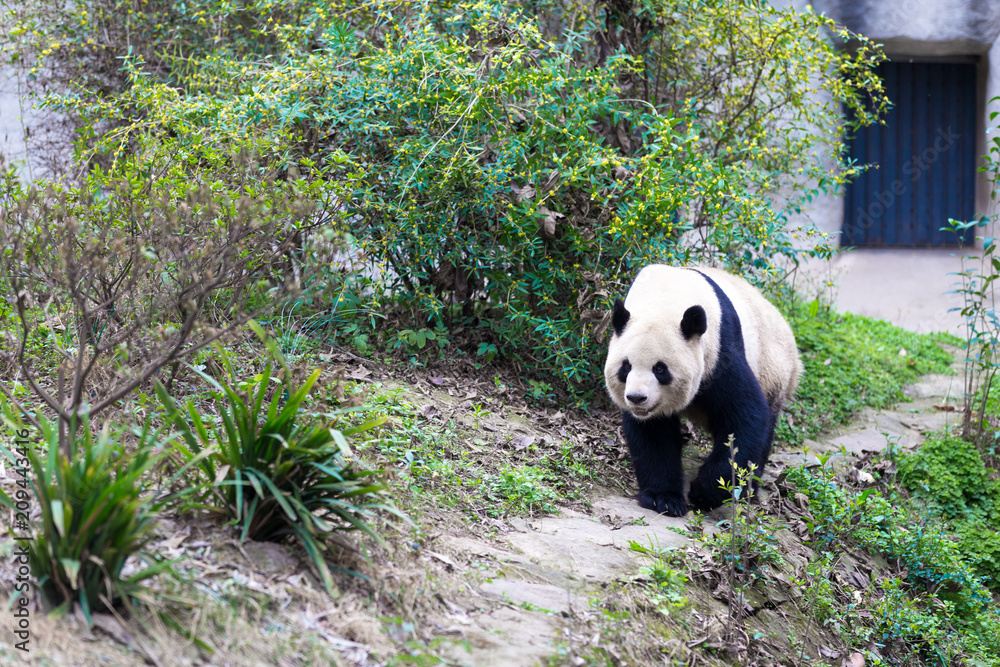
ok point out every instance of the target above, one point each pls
(657, 301)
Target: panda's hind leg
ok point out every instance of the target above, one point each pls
(655, 446)
(775, 408)
(747, 417)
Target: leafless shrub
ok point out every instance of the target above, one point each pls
(120, 282)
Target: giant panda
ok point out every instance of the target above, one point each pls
(703, 344)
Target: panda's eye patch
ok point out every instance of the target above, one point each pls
(624, 370)
(662, 373)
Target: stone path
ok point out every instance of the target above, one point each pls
(906, 423)
(546, 568)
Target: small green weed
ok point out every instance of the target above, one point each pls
(413, 648)
(818, 591)
(420, 338)
(522, 490)
(541, 391)
(666, 576)
(488, 351)
(747, 543)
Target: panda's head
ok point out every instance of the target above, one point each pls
(656, 358)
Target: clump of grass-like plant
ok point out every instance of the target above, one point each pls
(95, 513)
(274, 475)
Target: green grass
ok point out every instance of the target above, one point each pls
(852, 362)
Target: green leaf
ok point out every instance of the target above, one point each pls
(58, 517)
(72, 568)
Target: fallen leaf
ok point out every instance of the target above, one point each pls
(946, 408)
(112, 627)
(552, 182)
(548, 223)
(527, 192)
(359, 374)
(828, 361)
(220, 475)
(436, 381)
(620, 173)
(523, 441)
(857, 580)
(623, 138)
(830, 653)
(444, 559)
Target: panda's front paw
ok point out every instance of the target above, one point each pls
(669, 504)
(706, 495)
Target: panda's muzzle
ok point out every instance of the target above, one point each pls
(636, 402)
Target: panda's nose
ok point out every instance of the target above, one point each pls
(637, 399)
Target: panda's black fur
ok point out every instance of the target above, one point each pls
(729, 401)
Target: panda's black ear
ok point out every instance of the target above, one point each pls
(694, 322)
(619, 317)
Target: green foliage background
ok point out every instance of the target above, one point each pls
(496, 168)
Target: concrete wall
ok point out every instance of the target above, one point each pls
(16, 119)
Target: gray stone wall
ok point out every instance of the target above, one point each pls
(16, 120)
(920, 27)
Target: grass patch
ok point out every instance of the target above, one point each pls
(950, 478)
(271, 473)
(852, 362)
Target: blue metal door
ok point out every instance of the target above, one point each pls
(923, 159)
